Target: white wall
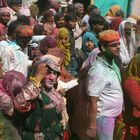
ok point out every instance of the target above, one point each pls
(136, 7)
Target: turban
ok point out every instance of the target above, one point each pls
(52, 62)
(131, 20)
(4, 10)
(52, 57)
(49, 60)
(109, 36)
(112, 11)
(24, 31)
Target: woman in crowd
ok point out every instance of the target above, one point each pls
(132, 99)
(49, 24)
(42, 107)
(70, 61)
(63, 43)
(110, 15)
(89, 42)
(39, 109)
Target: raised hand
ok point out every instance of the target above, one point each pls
(40, 72)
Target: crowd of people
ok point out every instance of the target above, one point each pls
(68, 73)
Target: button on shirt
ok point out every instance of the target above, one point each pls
(104, 82)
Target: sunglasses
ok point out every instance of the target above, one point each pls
(113, 44)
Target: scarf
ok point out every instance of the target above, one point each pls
(126, 51)
(66, 51)
(63, 32)
(134, 68)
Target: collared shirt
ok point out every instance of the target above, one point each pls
(15, 59)
(104, 82)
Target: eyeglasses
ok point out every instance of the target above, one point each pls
(113, 44)
(3, 15)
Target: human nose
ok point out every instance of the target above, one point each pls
(118, 46)
(52, 76)
(63, 40)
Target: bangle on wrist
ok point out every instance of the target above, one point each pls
(36, 82)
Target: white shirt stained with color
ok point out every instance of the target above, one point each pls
(104, 82)
(15, 59)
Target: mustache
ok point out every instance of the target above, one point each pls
(51, 81)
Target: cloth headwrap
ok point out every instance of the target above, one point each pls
(54, 58)
(25, 11)
(63, 32)
(51, 62)
(88, 36)
(46, 60)
(134, 68)
(109, 36)
(4, 10)
(9, 77)
(131, 20)
(24, 31)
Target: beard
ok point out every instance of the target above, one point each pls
(128, 40)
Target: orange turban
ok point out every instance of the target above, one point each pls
(109, 36)
(24, 31)
(113, 10)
